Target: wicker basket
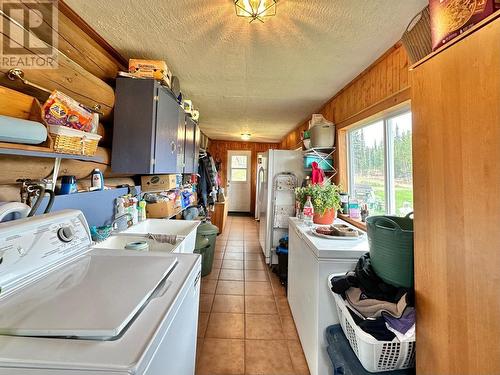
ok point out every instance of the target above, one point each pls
(75, 142)
(417, 38)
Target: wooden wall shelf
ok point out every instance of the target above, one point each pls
(47, 154)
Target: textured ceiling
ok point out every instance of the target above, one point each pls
(257, 78)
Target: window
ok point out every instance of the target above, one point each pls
(239, 168)
(380, 165)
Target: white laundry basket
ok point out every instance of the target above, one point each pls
(374, 355)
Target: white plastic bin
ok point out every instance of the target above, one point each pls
(374, 355)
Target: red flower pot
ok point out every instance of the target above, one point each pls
(327, 218)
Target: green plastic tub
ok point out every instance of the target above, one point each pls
(391, 248)
(209, 232)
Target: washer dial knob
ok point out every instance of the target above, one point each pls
(66, 234)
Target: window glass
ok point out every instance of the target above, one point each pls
(380, 165)
(367, 158)
(402, 183)
(238, 175)
(239, 161)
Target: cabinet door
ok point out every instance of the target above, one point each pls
(181, 135)
(197, 137)
(133, 150)
(189, 152)
(167, 124)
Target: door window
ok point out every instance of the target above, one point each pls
(239, 167)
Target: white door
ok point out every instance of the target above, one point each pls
(238, 180)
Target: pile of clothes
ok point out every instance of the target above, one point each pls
(209, 181)
(380, 309)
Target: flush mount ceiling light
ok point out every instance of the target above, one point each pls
(246, 136)
(255, 9)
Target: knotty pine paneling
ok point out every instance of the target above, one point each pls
(219, 149)
(384, 79)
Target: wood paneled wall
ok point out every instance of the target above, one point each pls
(219, 149)
(382, 85)
(87, 67)
(456, 148)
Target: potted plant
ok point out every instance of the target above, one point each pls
(325, 199)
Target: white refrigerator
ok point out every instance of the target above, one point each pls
(275, 162)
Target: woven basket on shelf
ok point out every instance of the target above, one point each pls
(75, 142)
(417, 38)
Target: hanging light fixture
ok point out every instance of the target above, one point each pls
(246, 136)
(255, 9)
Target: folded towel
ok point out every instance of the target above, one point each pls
(164, 238)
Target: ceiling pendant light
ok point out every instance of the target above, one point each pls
(255, 9)
(246, 136)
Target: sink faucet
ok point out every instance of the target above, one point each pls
(118, 224)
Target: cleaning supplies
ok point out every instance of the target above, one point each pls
(142, 211)
(97, 180)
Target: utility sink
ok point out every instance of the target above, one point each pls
(185, 229)
(162, 226)
(126, 242)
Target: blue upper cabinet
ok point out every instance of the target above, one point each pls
(149, 129)
(190, 151)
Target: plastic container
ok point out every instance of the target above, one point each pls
(391, 248)
(202, 246)
(282, 264)
(374, 355)
(326, 164)
(208, 231)
(322, 135)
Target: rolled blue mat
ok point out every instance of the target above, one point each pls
(15, 130)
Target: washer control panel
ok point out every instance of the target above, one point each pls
(34, 244)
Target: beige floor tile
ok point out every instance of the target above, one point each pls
(206, 301)
(283, 307)
(234, 256)
(234, 243)
(254, 256)
(217, 263)
(222, 357)
(267, 357)
(289, 328)
(234, 249)
(260, 305)
(258, 288)
(218, 256)
(208, 286)
(263, 327)
(255, 265)
(230, 287)
(298, 359)
(256, 275)
(202, 324)
(213, 275)
(254, 250)
(234, 275)
(228, 304)
(226, 326)
(232, 264)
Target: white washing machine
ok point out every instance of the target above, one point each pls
(66, 308)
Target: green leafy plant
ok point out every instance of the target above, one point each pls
(323, 197)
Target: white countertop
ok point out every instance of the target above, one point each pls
(326, 248)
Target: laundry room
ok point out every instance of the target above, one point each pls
(249, 187)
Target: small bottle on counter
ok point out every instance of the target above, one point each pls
(308, 212)
(364, 212)
(142, 211)
(97, 180)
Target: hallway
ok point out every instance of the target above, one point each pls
(245, 325)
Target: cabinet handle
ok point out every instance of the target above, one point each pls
(173, 146)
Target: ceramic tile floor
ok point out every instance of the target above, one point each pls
(245, 325)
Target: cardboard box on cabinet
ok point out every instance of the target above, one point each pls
(161, 182)
(450, 18)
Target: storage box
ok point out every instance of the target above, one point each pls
(160, 210)
(156, 69)
(162, 182)
(450, 18)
